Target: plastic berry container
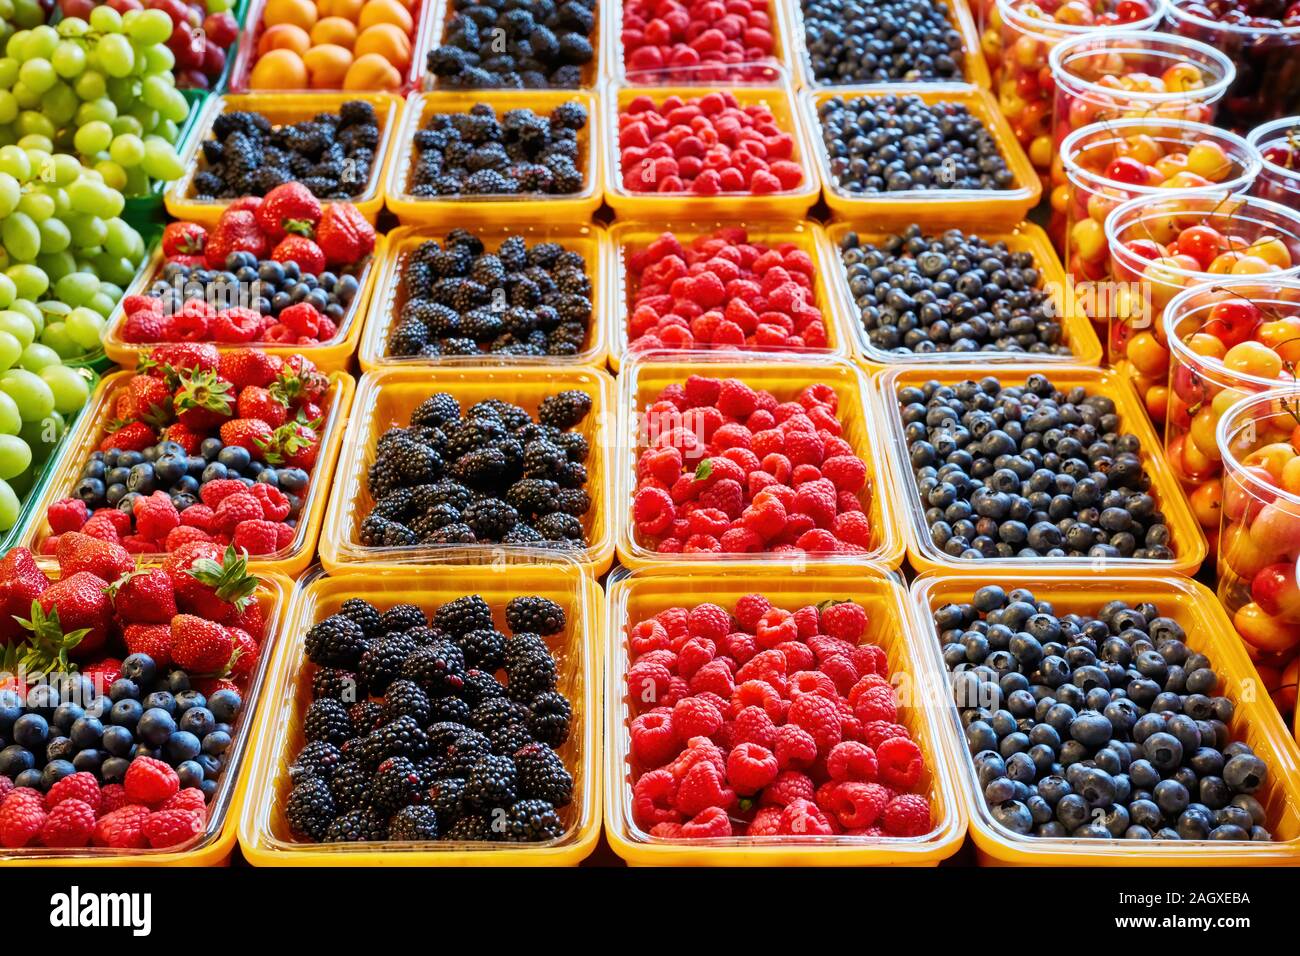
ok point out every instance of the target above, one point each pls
(626, 238)
(387, 397)
(965, 208)
(93, 428)
(516, 209)
(331, 355)
(1085, 348)
(641, 381)
(281, 108)
(591, 242)
(264, 833)
(636, 595)
(1278, 181)
(1255, 721)
(1186, 539)
(214, 845)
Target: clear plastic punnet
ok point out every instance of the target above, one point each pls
(1279, 145)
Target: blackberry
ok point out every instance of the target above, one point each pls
(490, 519)
(543, 460)
(542, 254)
(509, 738)
(408, 338)
(355, 826)
(327, 720)
(465, 751)
(494, 712)
(511, 416)
(524, 644)
(319, 758)
(443, 733)
(368, 751)
(398, 535)
(472, 828)
(533, 496)
(412, 463)
(350, 785)
(492, 782)
(550, 718)
(574, 445)
(357, 112)
(433, 520)
(480, 686)
(366, 716)
(334, 683)
(425, 636)
(337, 641)
(438, 669)
(310, 809)
(414, 824)
(455, 533)
(401, 617)
(573, 501)
(460, 346)
(446, 797)
(572, 115)
(440, 493)
(396, 784)
(394, 506)
(484, 648)
(437, 411)
(449, 708)
(464, 614)
(480, 325)
(382, 662)
(403, 738)
(532, 821)
(523, 534)
(536, 614)
(528, 676)
(558, 526)
(574, 308)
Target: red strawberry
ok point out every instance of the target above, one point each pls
(152, 639)
(186, 437)
(301, 250)
(300, 381)
(203, 400)
(148, 400)
(193, 262)
(246, 204)
(289, 208)
(80, 552)
(245, 367)
(250, 619)
(71, 618)
(207, 686)
(21, 582)
(131, 436)
(257, 402)
(209, 582)
(295, 444)
(344, 235)
(244, 657)
(236, 231)
(103, 672)
(144, 597)
(166, 360)
(200, 646)
(250, 433)
(183, 239)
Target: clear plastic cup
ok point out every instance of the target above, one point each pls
(1279, 175)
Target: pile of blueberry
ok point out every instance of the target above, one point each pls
(896, 143)
(331, 154)
(851, 41)
(64, 726)
(919, 294)
(1102, 726)
(517, 44)
(263, 285)
(461, 299)
(477, 153)
(1029, 471)
(116, 478)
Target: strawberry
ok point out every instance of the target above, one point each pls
(246, 204)
(344, 235)
(80, 552)
(289, 208)
(257, 402)
(209, 582)
(244, 657)
(295, 445)
(186, 437)
(245, 367)
(301, 250)
(251, 433)
(192, 262)
(103, 672)
(148, 400)
(236, 231)
(250, 620)
(166, 360)
(200, 646)
(144, 597)
(207, 686)
(203, 400)
(300, 381)
(183, 239)
(21, 582)
(128, 436)
(70, 618)
(152, 639)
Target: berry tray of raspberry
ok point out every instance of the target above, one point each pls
(657, 169)
(563, 120)
(1107, 502)
(523, 269)
(474, 459)
(1230, 786)
(1074, 338)
(647, 317)
(183, 200)
(130, 750)
(513, 775)
(851, 44)
(787, 721)
(710, 458)
(144, 500)
(934, 202)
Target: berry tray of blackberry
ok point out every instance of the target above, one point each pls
(643, 310)
(832, 767)
(898, 41)
(933, 296)
(503, 157)
(340, 151)
(1107, 720)
(1054, 472)
(647, 179)
(708, 471)
(536, 297)
(463, 459)
(443, 718)
(547, 46)
(941, 154)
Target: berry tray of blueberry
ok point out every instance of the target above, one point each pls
(1108, 721)
(547, 45)
(439, 721)
(1054, 472)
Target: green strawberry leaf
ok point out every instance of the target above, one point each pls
(703, 469)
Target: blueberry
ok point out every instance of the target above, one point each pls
(65, 715)
(31, 779)
(1014, 815)
(216, 743)
(215, 471)
(211, 764)
(14, 759)
(190, 773)
(1091, 729)
(1096, 787)
(139, 668)
(1164, 750)
(123, 689)
(55, 771)
(89, 760)
(31, 731)
(1172, 797)
(155, 726)
(187, 698)
(87, 732)
(126, 713)
(234, 456)
(225, 705)
(118, 740)
(114, 769)
(1245, 773)
(198, 721)
(180, 746)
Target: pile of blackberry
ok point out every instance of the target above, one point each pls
(519, 301)
(476, 153)
(517, 44)
(1029, 471)
(264, 285)
(851, 41)
(919, 294)
(1104, 726)
(895, 143)
(331, 154)
(411, 736)
(490, 475)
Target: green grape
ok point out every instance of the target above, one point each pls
(10, 351)
(55, 237)
(10, 507)
(127, 150)
(69, 59)
(101, 109)
(10, 420)
(86, 326)
(38, 74)
(30, 281)
(8, 107)
(76, 288)
(176, 109)
(56, 337)
(137, 182)
(8, 291)
(168, 131)
(41, 42)
(56, 265)
(105, 20)
(28, 13)
(115, 177)
(93, 137)
(112, 289)
(150, 27)
(127, 124)
(72, 27)
(10, 194)
(154, 90)
(61, 104)
(115, 54)
(15, 456)
(65, 169)
(86, 230)
(70, 388)
(43, 147)
(42, 435)
(161, 161)
(26, 97)
(30, 122)
(92, 85)
(102, 302)
(94, 198)
(38, 205)
(147, 116)
(18, 325)
(120, 239)
(36, 356)
(8, 71)
(159, 59)
(7, 137)
(14, 45)
(21, 236)
(32, 396)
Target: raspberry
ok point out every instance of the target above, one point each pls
(869, 659)
(740, 646)
(766, 666)
(803, 818)
(699, 749)
(702, 787)
(701, 391)
(653, 511)
(749, 609)
(798, 656)
(123, 829)
(664, 464)
(647, 636)
(69, 824)
(820, 717)
(200, 516)
(776, 627)
(653, 796)
(172, 827)
(845, 620)
(112, 797)
(766, 822)
(182, 535)
(191, 798)
(667, 831)
(104, 528)
(256, 536)
(78, 786)
(816, 499)
(716, 677)
(766, 517)
(236, 508)
(709, 621)
(789, 785)
(675, 620)
(850, 760)
(707, 522)
(750, 768)
(907, 815)
(803, 448)
(67, 514)
(150, 781)
(155, 516)
(214, 492)
(275, 506)
(795, 748)
(725, 496)
(21, 818)
(818, 541)
(695, 717)
(901, 763)
(6, 786)
(694, 654)
(761, 694)
(712, 822)
(876, 704)
(846, 472)
(841, 671)
(856, 804)
(654, 741)
(876, 732)
(647, 683)
(753, 725)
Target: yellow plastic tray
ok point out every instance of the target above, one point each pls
(264, 834)
(967, 208)
(218, 839)
(634, 236)
(443, 212)
(591, 242)
(386, 399)
(333, 355)
(640, 383)
(637, 595)
(282, 108)
(93, 427)
(1082, 338)
(1209, 632)
(662, 207)
(1187, 539)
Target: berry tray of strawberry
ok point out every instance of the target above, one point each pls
(771, 719)
(203, 446)
(282, 273)
(767, 461)
(445, 719)
(126, 700)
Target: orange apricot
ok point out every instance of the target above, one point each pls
(372, 72)
(385, 11)
(283, 36)
(279, 70)
(388, 40)
(300, 13)
(347, 9)
(339, 31)
(327, 64)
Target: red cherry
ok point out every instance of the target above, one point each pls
(1144, 249)
(1130, 11)
(1274, 589)
(1203, 243)
(1232, 322)
(1126, 169)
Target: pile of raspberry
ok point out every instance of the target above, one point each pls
(728, 469)
(660, 35)
(705, 145)
(722, 291)
(768, 723)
